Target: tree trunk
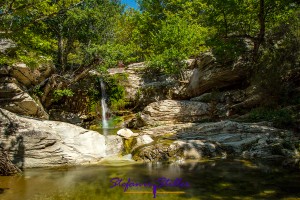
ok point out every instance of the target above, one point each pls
(67, 51)
(262, 29)
(60, 52)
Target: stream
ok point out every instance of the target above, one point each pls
(212, 179)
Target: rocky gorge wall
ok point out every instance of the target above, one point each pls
(191, 116)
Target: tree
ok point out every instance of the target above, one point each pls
(58, 29)
(82, 26)
(247, 19)
(22, 21)
(170, 31)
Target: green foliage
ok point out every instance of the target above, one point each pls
(171, 61)
(176, 40)
(115, 91)
(59, 94)
(280, 56)
(23, 22)
(281, 118)
(114, 53)
(59, 30)
(115, 121)
(37, 91)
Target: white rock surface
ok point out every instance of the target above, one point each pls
(40, 143)
(126, 133)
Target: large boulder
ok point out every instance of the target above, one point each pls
(210, 75)
(225, 138)
(14, 98)
(126, 133)
(16, 83)
(172, 111)
(28, 76)
(39, 143)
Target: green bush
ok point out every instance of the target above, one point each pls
(176, 40)
(171, 61)
(115, 91)
(281, 118)
(59, 94)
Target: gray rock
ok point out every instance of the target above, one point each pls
(126, 133)
(38, 143)
(142, 88)
(225, 138)
(171, 111)
(15, 83)
(27, 76)
(141, 141)
(114, 145)
(6, 44)
(210, 75)
(15, 99)
(64, 116)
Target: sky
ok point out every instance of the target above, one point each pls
(130, 3)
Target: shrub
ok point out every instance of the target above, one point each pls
(59, 94)
(281, 118)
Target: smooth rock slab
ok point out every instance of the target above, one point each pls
(40, 143)
(224, 138)
(172, 111)
(126, 133)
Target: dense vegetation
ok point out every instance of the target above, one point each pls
(73, 33)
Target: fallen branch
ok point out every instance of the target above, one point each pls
(7, 168)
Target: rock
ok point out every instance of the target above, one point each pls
(40, 143)
(64, 116)
(225, 138)
(134, 80)
(23, 74)
(127, 157)
(158, 152)
(15, 84)
(171, 111)
(142, 140)
(178, 150)
(126, 133)
(30, 77)
(114, 145)
(6, 45)
(231, 96)
(143, 88)
(210, 75)
(15, 99)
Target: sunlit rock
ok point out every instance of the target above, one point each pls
(126, 133)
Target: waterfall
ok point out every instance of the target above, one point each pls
(103, 107)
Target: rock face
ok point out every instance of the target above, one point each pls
(38, 143)
(27, 76)
(210, 75)
(225, 138)
(15, 82)
(15, 99)
(143, 88)
(171, 111)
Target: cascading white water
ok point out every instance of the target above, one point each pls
(103, 107)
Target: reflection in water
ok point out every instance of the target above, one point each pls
(221, 179)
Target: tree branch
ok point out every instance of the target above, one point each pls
(83, 70)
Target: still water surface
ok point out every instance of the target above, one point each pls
(218, 179)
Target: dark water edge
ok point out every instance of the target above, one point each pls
(212, 179)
